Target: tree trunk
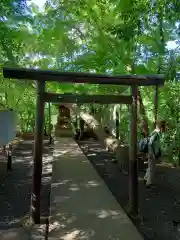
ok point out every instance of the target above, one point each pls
(144, 124)
(117, 124)
(160, 16)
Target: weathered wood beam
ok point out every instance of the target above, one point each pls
(133, 168)
(73, 98)
(49, 123)
(38, 151)
(78, 77)
(156, 101)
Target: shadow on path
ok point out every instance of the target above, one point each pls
(15, 187)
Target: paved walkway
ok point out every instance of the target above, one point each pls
(82, 207)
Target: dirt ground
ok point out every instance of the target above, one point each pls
(15, 187)
(160, 207)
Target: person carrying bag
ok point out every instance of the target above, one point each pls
(152, 147)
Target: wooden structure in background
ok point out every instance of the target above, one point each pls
(63, 126)
(64, 111)
(41, 76)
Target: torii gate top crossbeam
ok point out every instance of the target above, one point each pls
(78, 77)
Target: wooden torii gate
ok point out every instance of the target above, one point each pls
(41, 76)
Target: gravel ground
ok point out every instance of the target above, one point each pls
(160, 207)
(15, 187)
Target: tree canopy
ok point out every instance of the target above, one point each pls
(102, 36)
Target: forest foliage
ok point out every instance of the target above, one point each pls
(102, 36)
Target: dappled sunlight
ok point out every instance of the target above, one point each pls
(25, 159)
(47, 164)
(26, 152)
(60, 144)
(100, 164)
(98, 150)
(55, 226)
(84, 161)
(114, 214)
(46, 180)
(47, 170)
(46, 155)
(97, 224)
(71, 235)
(91, 154)
(63, 182)
(58, 153)
(11, 234)
(38, 231)
(47, 159)
(77, 234)
(74, 153)
(91, 184)
(74, 187)
(63, 141)
(70, 152)
(28, 158)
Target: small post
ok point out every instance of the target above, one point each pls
(38, 148)
(75, 125)
(9, 158)
(133, 172)
(92, 109)
(156, 95)
(81, 125)
(4, 149)
(49, 118)
(117, 125)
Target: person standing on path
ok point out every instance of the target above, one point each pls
(154, 152)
